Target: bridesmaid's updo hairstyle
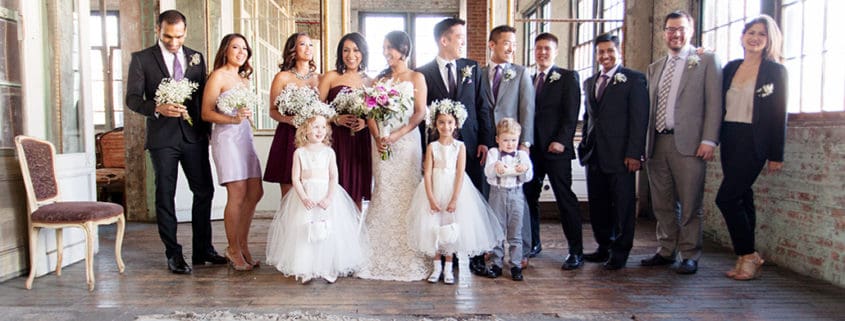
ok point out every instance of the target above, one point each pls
(359, 41)
(220, 59)
(400, 41)
(289, 53)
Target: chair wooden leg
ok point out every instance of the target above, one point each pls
(33, 258)
(59, 251)
(118, 243)
(89, 254)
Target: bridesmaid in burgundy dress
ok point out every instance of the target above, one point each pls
(354, 161)
(297, 68)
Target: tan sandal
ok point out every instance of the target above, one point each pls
(750, 268)
(732, 272)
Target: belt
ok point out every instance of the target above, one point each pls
(666, 132)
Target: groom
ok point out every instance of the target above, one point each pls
(171, 140)
(451, 77)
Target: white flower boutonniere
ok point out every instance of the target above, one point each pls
(766, 90)
(195, 59)
(555, 76)
(466, 73)
(619, 78)
(509, 74)
(693, 61)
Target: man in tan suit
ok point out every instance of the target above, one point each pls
(686, 112)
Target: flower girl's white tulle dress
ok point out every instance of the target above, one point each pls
(316, 243)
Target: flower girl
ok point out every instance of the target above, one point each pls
(315, 232)
(448, 215)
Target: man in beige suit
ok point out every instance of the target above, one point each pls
(686, 112)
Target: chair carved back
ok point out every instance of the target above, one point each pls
(37, 161)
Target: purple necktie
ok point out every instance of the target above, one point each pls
(541, 79)
(178, 74)
(497, 80)
(453, 87)
(602, 87)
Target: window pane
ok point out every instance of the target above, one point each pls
(834, 82)
(793, 67)
(96, 59)
(752, 8)
(112, 31)
(811, 83)
(424, 44)
(736, 10)
(94, 30)
(792, 31)
(834, 38)
(813, 26)
(734, 41)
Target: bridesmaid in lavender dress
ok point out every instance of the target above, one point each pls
(234, 155)
(298, 69)
(350, 135)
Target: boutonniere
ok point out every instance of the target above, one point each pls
(766, 90)
(466, 73)
(195, 59)
(509, 74)
(619, 78)
(555, 76)
(693, 61)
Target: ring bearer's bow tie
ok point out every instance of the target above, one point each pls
(511, 154)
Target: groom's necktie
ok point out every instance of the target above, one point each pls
(178, 73)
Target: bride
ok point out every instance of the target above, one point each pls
(397, 177)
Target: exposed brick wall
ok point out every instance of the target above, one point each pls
(801, 210)
(477, 31)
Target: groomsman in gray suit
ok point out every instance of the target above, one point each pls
(686, 112)
(511, 93)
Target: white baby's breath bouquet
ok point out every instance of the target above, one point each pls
(294, 98)
(447, 106)
(388, 103)
(238, 98)
(351, 102)
(176, 92)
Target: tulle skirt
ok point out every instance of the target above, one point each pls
(477, 227)
(317, 243)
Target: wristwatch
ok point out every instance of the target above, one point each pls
(526, 144)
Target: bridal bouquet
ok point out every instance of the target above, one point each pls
(176, 92)
(351, 101)
(294, 98)
(388, 103)
(238, 98)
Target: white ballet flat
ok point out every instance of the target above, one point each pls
(448, 277)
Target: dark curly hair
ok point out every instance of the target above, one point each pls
(289, 54)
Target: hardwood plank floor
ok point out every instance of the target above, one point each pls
(548, 293)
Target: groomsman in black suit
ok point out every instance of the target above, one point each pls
(613, 145)
(451, 77)
(557, 102)
(171, 140)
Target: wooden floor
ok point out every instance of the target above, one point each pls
(548, 293)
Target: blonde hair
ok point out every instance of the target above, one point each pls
(301, 138)
(508, 126)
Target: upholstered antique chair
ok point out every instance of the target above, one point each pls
(46, 210)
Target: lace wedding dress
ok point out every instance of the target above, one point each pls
(396, 179)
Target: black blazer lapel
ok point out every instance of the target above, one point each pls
(459, 79)
(159, 59)
(432, 70)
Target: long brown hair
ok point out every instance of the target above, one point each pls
(289, 53)
(774, 38)
(244, 70)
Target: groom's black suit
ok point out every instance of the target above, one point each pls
(171, 141)
(478, 127)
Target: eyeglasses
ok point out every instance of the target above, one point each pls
(673, 30)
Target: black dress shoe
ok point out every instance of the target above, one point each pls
(536, 249)
(573, 261)
(599, 256)
(688, 267)
(656, 260)
(212, 258)
(516, 273)
(476, 266)
(614, 263)
(177, 265)
(494, 272)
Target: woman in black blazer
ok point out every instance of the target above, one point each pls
(752, 135)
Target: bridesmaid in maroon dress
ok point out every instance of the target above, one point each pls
(354, 162)
(297, 68)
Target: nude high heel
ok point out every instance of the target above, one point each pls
(732, 272)
(750, 268)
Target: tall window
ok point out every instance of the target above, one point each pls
(814, 54)
(722, 23)
(11, 100)
(106, 71)
(542, 10)
(420, 27)
(584, 51)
